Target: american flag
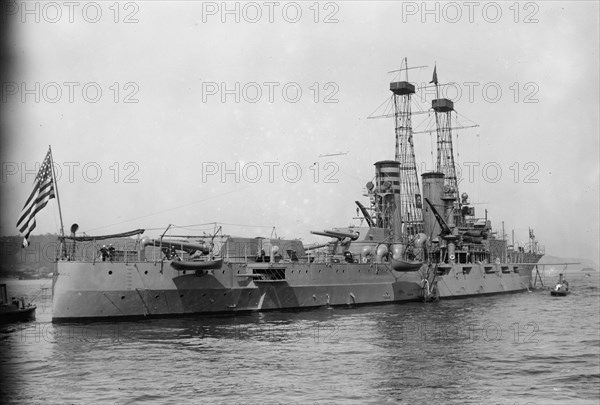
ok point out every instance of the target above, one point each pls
(43, 191)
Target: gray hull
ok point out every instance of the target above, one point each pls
(84, 290)
(467, 280)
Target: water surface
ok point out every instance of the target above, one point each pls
(519, 348)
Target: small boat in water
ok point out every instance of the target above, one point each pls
(16, 310)
(561, 288)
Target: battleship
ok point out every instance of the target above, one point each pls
(418, 239)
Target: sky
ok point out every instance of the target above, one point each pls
(189, 113)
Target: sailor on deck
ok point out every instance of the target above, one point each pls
(103, 253)
(111, 252)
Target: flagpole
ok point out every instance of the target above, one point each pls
(437, 89)
(62, 228)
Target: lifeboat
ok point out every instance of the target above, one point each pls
(402, 265)
(197, 265)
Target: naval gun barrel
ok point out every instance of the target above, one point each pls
(185, 246)
(313, 247)
(337, 234)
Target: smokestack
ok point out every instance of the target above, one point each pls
(387, 178)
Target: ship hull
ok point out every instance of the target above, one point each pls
(106, 290)
(466, 281)
(84, 290)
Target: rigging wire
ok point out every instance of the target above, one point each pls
(169, 209)
(238, 189)
(387, 110)
(42, 288)
(222, 223)
(456, 135)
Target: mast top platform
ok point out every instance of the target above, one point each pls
(386, 163)
(433, 175)
(442, 105)
(402, 88)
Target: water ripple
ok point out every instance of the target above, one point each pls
(522, 348)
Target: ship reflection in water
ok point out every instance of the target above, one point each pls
(475, 350)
